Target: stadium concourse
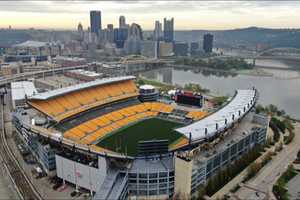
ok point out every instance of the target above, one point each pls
(101, 136)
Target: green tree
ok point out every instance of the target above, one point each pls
(288, 124)
(219, 100)
(253, 169)
(141, 82)
(259, 109)
(280, 124)
(272, 109)
(195, 88)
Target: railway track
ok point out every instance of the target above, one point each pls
(24, 186)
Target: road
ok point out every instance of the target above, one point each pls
(268, 176)
(24, 187)
(7, 189)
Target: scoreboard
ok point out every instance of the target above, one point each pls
(189, 98)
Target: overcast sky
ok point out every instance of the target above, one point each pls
(188, 15)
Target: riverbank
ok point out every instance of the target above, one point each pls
(255, 72)
(249, 72)
(164, 87)
(281, 89)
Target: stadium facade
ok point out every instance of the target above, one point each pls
(65, 128)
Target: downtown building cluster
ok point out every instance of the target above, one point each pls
(130, 39)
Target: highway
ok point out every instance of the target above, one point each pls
(268, 176)
(38, 74)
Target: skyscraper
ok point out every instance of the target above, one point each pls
(122, 22)
(80, 32)
(169, 30)
(122, 36)
(180, 48)
(194, 48)
(110, 33)
(116, 36)
(208, 43)
(136, 31)
(95, 20)
(157, 31)
(110, 26)
(79, 27)
(149, 48)
(133, 43)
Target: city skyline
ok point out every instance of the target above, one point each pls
(201, 14)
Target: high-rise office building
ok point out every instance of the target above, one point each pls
(169, 30)
(80, 32)
(149, 48)
(157, 34)
(194, 48)
(95, 20)
(110, 26)
(121, 35)
(135, 30)
(79, 27)
(133, 43)
(208, 42)
(165, 49)
(110, 33)
(122, 22)
(180, 48)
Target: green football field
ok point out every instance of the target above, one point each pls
(126, 139)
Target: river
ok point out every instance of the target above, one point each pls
(282, 89)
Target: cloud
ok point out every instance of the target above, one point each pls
(72, 6)
(218, 12)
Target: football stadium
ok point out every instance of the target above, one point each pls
(122, 122)
(119, 141)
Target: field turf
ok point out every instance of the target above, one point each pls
(126, 139)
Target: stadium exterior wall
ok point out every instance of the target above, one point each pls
(152, 177)
(79, 174)
(157, 181)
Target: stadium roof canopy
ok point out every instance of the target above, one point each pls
(73, 88)
(241, 103)
(147, 87)
(85, 72)
(31, 44)
(21, 89)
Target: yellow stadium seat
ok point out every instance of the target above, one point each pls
(108, 128)
(92, 130)
(110, 117)
(91, 125)
(82, 97)
(124, 112)
(117, 115)
(104, 121)
(71, 100)
(73, 103)
(148, 105)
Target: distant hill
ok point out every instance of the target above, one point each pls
(13, 36)
(248, 37)
(10, 37)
